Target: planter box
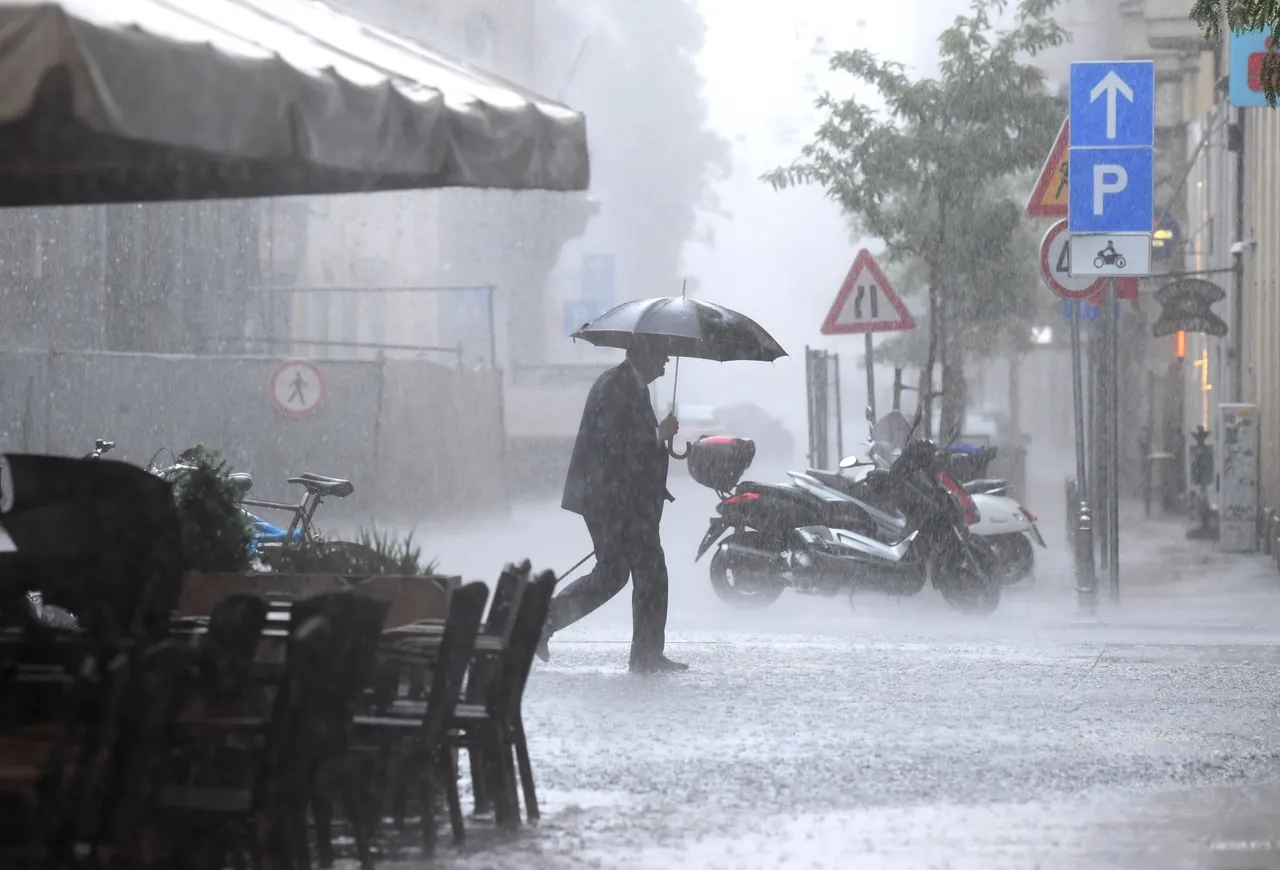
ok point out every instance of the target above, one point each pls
(412, 598)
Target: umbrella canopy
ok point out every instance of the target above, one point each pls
(137, 100)
(685, 327)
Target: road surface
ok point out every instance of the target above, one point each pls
(900, 734)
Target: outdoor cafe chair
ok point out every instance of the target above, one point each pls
(87, 784)
(491, 724)
(259, 792)
(507, 595)
(414, 745)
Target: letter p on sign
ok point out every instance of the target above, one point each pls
(1108, 178)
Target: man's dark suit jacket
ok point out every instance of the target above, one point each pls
(618, 467)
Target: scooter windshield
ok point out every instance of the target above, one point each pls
(893, 429)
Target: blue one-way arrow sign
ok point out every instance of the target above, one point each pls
(1111, 163)
(1113, 104)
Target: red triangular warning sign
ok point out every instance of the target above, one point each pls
(866, 302)
(1049, 198)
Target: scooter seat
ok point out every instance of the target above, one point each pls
(988, 486)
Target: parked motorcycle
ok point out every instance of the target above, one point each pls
(785, 536)
(1004, 524)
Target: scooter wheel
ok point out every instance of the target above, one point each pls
(1015, 557)
(971, 592)
(746, 590)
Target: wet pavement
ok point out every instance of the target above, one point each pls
(898, 733)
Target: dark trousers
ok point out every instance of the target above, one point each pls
(624, 547)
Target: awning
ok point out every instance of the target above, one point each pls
(136, 100)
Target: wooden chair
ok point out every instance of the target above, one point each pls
(226, 650)
(259, 795)
(492, 729)
(507, 595)
(415, 744)
(88, 784)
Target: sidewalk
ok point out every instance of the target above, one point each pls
(1166, 580)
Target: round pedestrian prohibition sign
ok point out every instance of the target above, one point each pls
(297, 388)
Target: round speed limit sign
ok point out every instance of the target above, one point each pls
(1055, 266)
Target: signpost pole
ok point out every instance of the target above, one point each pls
(835, 359)
(871, 379)
(1113, 447)
(1086, 577)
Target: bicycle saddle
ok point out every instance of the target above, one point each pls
(325, 485)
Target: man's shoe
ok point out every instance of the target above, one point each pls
(660, 665)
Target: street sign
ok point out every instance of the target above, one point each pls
(466, 319)
(578, 313)
(1110, 255)
(1113, 104)
(1111, 164)
(1049, 197)
(297, 388)
(1186, 305)
(1112, 190)
(599, 280)
(866, 302)
(1089, 311)
(1055, 266)
(1248, 51)
(1126, 289)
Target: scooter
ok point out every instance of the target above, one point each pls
(779, 539)
(1004, 524)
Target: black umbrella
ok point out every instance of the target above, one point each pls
(683, 327)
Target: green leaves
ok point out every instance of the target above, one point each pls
(930, 173)
(215, 532)
(1241, 16)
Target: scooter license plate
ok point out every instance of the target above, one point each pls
(1039, 539)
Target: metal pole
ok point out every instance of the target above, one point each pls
(1237, 314)
(808, 397)
(1086, 577)
(839, 412)
(1077, 391)
(871, 377)
(1113, 399)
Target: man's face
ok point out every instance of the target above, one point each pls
(652, 364)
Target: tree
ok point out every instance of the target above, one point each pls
(929, 174)
(1240, 16)
(654, 157)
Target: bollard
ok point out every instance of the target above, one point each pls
(1086, 575)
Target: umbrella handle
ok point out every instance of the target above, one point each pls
(671, 451)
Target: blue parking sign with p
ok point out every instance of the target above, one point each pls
(1111, 163)
(1111, 190)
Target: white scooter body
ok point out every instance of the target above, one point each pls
(997, 514)
(1002, 515)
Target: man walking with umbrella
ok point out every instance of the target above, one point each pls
(618, 472)
(617, 482)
